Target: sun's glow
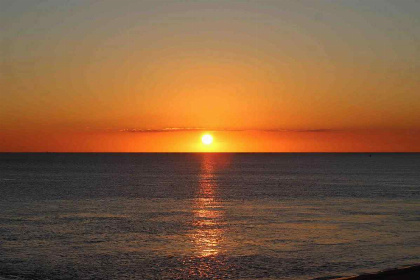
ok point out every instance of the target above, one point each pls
(207, 139)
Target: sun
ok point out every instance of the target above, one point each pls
(207, 139)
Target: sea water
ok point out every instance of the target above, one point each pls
(207, 216)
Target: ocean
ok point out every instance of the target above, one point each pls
(207, 216)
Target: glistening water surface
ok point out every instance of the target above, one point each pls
(207, 216)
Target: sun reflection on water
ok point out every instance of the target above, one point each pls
(208, 233)
(208, 213)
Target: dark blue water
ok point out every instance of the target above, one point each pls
(207, 216)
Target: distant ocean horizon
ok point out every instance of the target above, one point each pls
(207, 215)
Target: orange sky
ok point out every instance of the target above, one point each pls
(224, 141)
(261, 76)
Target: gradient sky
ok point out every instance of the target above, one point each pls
(261, 76)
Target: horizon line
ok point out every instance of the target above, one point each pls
(361, 152)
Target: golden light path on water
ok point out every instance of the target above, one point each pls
(208, 213)
(208, 225)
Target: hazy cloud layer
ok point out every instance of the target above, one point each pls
(183, 129)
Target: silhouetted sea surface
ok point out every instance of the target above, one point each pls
(207, 216)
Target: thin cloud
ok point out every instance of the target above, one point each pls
(184, 129)
(167, 129)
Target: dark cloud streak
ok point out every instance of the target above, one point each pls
(186, 129)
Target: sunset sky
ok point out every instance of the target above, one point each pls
(259, 76)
